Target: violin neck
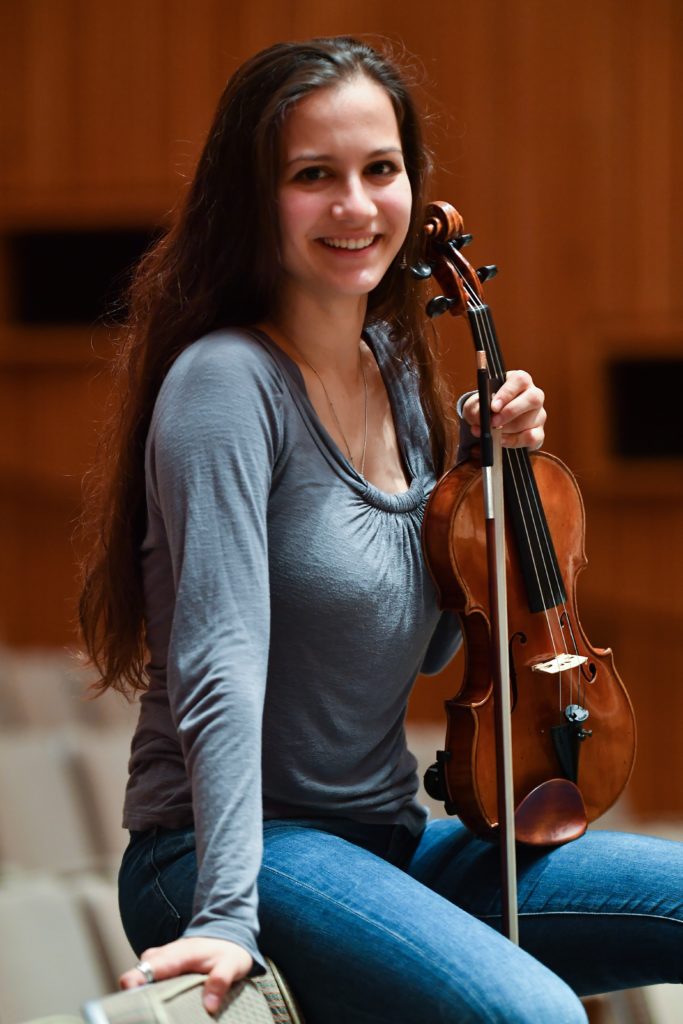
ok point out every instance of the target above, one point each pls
(538, 561)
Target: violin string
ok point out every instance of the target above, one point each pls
(521, 475)
(520, 472)
(516, 462)
(522, 488)
(486, 338)
(580, 689)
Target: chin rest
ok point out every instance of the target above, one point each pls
(551, 814)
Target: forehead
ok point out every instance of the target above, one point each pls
(348, 114)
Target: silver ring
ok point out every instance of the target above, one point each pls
(145, 969)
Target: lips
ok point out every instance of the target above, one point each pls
(349, 243)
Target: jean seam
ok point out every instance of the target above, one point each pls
(158, 886)
(325, 897)
(583, 913)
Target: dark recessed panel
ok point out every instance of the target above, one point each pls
(645, 414)
(72, 277)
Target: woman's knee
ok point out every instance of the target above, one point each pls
(526, 997)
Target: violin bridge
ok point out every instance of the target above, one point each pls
(562, 663)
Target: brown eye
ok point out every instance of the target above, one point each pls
(311, 174)
(383, 168)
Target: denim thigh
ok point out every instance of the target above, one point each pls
(359, 940)
(604, 912)
(371, 924)
(363, 942)
(157, 880)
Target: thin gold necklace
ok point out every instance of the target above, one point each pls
(334, 412)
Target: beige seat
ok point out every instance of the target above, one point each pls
(110, 710)
(49, 964)
(99, 761)
(97, 900)
(265, 1000)
(42, 821)
(36, 690)
(59, 1018)
(56, 1019)
(53, 688)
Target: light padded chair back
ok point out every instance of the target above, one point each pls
(57, 1018)
(36, 690)
(48, 963)
(100, 767)
(48, 688)
(97, 899)
(42, 823)
(264, 1000)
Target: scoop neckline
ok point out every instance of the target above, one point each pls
(399, 501)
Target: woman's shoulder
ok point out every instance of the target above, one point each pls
(227, 355)
(226, 381)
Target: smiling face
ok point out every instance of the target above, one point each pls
(344, 196)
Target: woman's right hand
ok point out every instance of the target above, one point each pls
(224, 962)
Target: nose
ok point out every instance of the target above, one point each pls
(353, 202)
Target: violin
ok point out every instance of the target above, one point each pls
(572, 723)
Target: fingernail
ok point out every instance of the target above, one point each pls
(211, 1003)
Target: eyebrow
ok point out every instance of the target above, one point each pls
(320, 157)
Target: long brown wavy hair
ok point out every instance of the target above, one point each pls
(218, 265)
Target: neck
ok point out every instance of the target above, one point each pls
(325, 334)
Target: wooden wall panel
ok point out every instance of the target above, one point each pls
(122, 93)
(556, 133)
(43, 53)
(201, 53)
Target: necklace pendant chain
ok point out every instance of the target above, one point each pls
(334, 411)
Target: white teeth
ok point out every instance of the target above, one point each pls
(349, 243)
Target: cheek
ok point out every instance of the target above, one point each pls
(285, 221)
(296, 213)
(292, 222)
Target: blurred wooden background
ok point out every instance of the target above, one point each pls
(556, 134)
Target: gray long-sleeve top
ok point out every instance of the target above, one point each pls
(289, 610)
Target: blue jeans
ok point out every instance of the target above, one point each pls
(371, 925)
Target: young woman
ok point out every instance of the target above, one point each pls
(260, 579)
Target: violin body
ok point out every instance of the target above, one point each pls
(595, 753)
(541, 730)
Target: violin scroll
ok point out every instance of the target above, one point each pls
(444, 238)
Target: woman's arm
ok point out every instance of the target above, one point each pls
(213, 444)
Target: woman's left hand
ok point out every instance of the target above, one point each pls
(223, 961)
(517, 407)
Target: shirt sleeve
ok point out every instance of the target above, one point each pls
(445, 642)
(467, 439)
(213, 445)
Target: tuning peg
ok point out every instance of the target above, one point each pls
(486, 273)
(439, 304)
(421, 270)
(462, 240)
